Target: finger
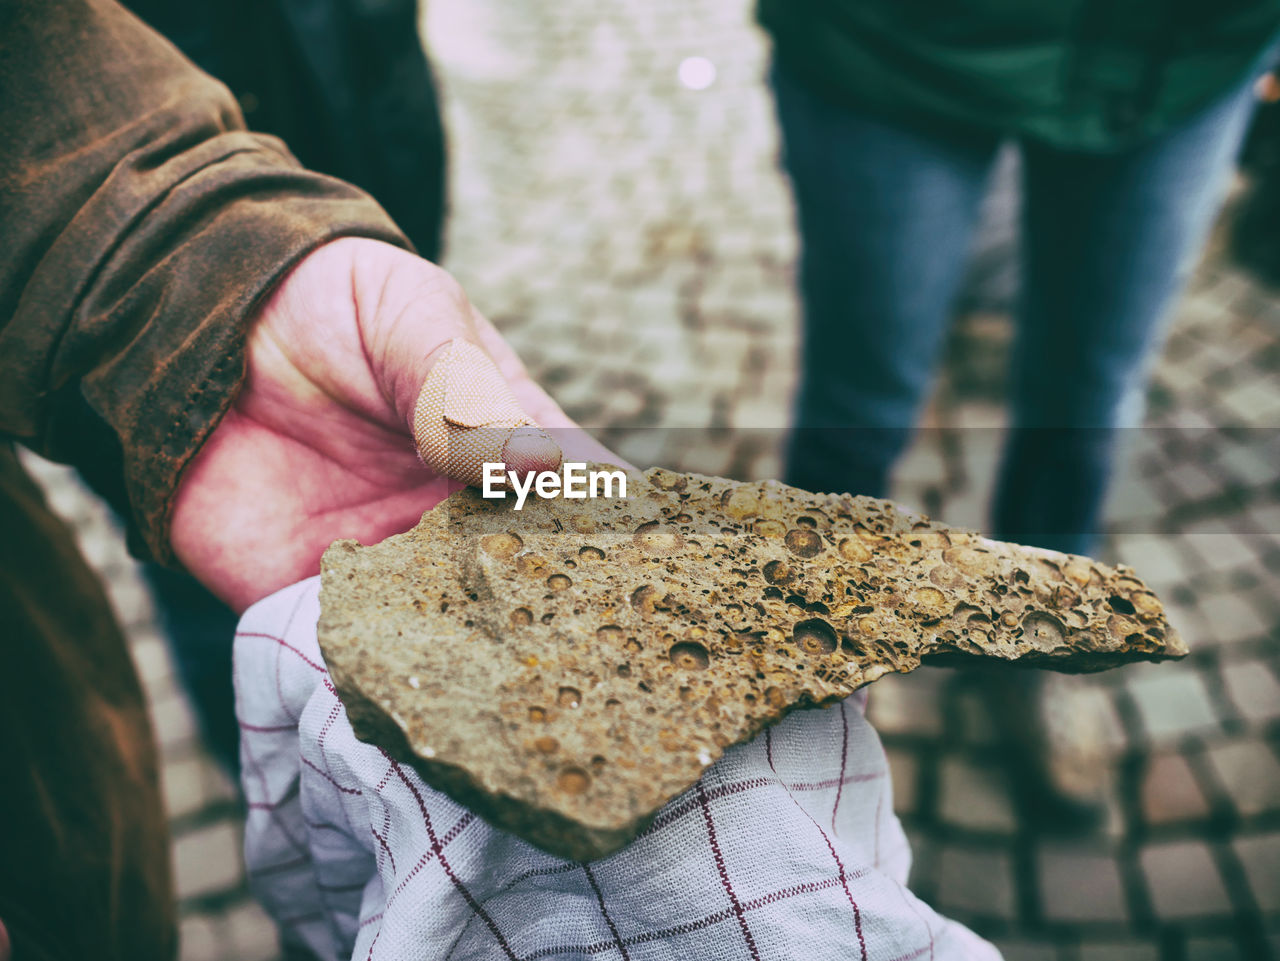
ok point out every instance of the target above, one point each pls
(467, 416)
(418, 331)
(415, 306)
(575, 442)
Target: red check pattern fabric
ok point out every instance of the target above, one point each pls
(786, 848)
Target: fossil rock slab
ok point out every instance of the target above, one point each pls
(566, 669)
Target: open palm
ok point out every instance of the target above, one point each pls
(318, 444)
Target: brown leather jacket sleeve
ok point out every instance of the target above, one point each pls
(139, 226)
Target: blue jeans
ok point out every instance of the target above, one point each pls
(886, 215)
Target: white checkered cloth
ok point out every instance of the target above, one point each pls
(786, 848)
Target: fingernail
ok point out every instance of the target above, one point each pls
(531, 449)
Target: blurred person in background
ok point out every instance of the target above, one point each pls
(1128, 118)
(344, 83)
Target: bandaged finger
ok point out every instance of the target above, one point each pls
(466, 416)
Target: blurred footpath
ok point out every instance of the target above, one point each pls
(618, 212)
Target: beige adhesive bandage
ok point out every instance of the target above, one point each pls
(466, 413)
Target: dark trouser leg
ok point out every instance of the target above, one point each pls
(345, 84)
(885, 216)
(1108, 241)
(200, 629)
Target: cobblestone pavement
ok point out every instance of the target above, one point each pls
(631, 235)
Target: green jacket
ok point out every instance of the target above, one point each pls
(1079, 74)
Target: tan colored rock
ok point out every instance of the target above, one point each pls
(566, 669)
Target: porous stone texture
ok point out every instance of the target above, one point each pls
(566, 669)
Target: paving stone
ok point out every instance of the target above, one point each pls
(1251, 463)
(922, 463)
(131, 599)
(1112, 730)
(198, 940)
(924, 845)
(1259, 854)
(1192, 482)
(1158, 561)
(173, 721)
(1183, 881)
(1190, 418)
(1018, 949)
(1265, 518)
(1116, 821)
(100, 542)
(1253, 688)
(766, 463)
(987, 422)
(1172, 702)
(760, 413)
(1170, 792)
(1119, 951)
(1251, 775)
(1213, 949)
(1131, 510)
(219, 786)
(904, 769)
(1190, 623)
(1078, 885)
(1091, 699)
(903, 705)
(183, 783)
(1231, 618)
(151, 657)
(965, 505)
(1224, 353)
(968, 505)
(975, 881)
(208, 860)
(251, 934)
(65, 493)
(1251, 402)
(710, 460)
(975, 798)
(1221, 544)
(976, 727)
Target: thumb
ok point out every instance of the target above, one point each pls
(467, 415)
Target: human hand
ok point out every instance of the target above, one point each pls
(318, 444)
